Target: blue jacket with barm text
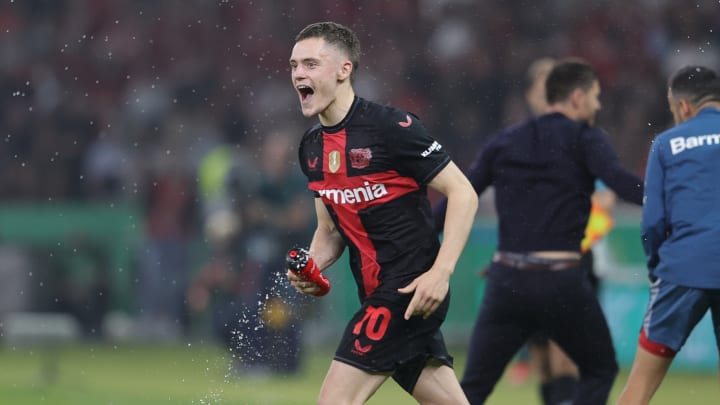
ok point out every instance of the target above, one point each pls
(681, 213)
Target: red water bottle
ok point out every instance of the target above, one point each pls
(300, 263)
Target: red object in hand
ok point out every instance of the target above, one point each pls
(300, 263)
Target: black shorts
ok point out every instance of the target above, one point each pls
(378, 339)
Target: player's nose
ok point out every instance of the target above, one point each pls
(298, 73)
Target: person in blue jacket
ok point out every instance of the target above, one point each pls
(680, 229)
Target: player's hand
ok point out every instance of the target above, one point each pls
(430, 290)
(302, 286)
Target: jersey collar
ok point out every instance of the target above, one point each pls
(340, 125)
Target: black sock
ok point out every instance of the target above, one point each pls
(560, 390)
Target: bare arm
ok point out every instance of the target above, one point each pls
(461, 208)
(326, 247)
(432, 286)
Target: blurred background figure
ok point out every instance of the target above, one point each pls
(266, 211)
(535, 356)
(164, 262)
(558, 375)
(80, 283)
(536, 74)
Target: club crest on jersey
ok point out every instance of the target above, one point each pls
(334, 161)
(360, 158)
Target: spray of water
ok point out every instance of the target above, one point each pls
(264, 337)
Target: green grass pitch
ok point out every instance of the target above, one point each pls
(198, 373)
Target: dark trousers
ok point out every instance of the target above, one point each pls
(520, 303)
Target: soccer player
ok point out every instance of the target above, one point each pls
(680, 229)
(369, 167)
(544, 173)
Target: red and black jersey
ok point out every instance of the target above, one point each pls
(371, 171)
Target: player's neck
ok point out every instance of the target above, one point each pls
(708, 104)
(339, 107)
(567, 110)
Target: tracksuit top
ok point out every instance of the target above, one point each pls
(544, 171)
(681, 214)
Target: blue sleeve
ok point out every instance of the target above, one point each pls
(654, 223)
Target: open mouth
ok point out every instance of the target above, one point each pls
(305, 92)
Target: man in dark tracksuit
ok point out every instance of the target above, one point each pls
(543, 172)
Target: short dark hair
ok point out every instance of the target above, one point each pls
(337, 35)
(566, 76)
(697, 84)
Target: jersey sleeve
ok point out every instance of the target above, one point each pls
(654, 224)
(415, 152)
(304, 157)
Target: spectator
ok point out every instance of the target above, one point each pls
(255, 215)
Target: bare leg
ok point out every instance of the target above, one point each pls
(347, 385)
(540, 361)
(560, 364)
(647, 373)
(558, 373)
(438, 385)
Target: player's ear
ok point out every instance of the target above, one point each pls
(686, 109)
(345, 70)
(577, 96)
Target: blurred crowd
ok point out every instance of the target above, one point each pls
(186, 108)
(99, 96)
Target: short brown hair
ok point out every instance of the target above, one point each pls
(337, 35)
(568, 75)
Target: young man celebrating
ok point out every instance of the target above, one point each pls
(544, 173)
(369, 167)
(680, 229)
